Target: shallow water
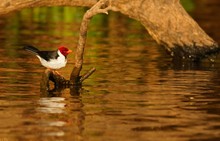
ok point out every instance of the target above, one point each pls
(137, 92)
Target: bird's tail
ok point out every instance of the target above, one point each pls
(31, 49)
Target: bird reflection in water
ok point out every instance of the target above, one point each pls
(67, 110)
(51, 105)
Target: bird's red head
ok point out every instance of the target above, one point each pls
(65, 51)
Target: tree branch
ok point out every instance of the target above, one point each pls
(100, 7)
(86, 75)
(165, 20)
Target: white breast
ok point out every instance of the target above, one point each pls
(54, 63)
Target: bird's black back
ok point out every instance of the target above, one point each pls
(46, 55)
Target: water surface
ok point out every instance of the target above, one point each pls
(136, 94)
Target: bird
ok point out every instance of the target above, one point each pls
(52, 60)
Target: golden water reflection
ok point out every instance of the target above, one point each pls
(137, 92)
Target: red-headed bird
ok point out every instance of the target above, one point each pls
(51, 59)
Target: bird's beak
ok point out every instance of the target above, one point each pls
(69, 51)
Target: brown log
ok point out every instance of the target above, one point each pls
(60, 83)
(165, 20)
(55, 77)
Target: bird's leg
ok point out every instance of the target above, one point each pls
(56, 72)
(49, 69)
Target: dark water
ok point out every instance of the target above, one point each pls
(136, 94)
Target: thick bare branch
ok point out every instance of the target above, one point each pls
(165, 20)
(171, 26)
(7, 6)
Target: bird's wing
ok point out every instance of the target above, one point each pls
(47, 55)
